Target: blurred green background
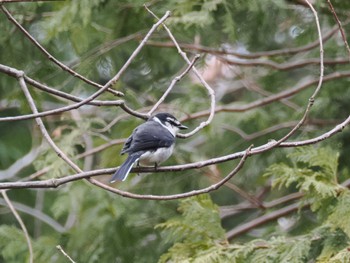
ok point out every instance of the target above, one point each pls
(95, 38)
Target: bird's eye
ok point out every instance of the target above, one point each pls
(173, 122)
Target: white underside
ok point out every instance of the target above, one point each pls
(159, 156)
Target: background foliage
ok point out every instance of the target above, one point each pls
(95, 38)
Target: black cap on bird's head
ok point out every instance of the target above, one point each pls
(167, 117)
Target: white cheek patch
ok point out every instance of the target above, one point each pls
(167, 126)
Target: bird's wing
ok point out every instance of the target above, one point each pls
(147, 137)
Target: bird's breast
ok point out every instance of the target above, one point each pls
(158, 156)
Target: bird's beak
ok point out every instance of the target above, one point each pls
(182, 127)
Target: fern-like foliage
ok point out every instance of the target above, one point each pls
(195, 13)
(13, 245)
(313, 171)
(68, 142)
(198, 236)
(190, 231)
(340, 214)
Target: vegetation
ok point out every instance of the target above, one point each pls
(281, 101)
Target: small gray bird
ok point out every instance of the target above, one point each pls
(149, 144)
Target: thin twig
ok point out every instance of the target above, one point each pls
(283, 66)
(224, 51)
(10, 71)
(36, 214)
(19, 220)
(43, 130)
(101, 148)
(66, 108)
(320, 81)
(253, 86)
(255, 202)
(62, 155)
(267, 100)
(182, 195)
(232, 210)
(53, 183)
(103, 48)
(275, 214)
(249, 137)
(225, 108)
(261, 220)
(342, 32)
(114, 190)
(172, 84)
(211, 92)
(65, 254)
(116, 77)
(52, 58)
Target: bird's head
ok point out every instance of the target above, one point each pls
(169, 122)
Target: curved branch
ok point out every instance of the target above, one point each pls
(283, 66)
(53, 183)
(223, 51)
(52, 58)
(37, 214)
(269, 99)
(261, 220)
(182, 195)
(210, 91)
(23, 226)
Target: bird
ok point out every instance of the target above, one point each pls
(151, 143)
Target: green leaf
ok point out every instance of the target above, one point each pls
(13, 246)
(339, 217)
(313, 171)
(190, 230)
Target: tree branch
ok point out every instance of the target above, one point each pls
(210, 91)
(19, 220)
(341, 29)
(36, 214)
(55, 182)
(172, 84)
(223, 51)
(52, 58)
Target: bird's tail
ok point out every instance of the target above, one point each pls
(124, 169)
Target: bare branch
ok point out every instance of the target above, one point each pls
(183, 195)
(312, 98)
(108, 84)
(53, 183)
(261, 220)
(283, 66)
(105, 47)
(101, 148)
(19, 164)
(36, 214)
(342, 32)
(223, 51)
(211, 92)
(255, 202)
(65, 254)
(273, 215)
(43, 130)
(52, 58)
(322, 137)
(172, 84)
(279, 126)
(19, 220)
(267, 100)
